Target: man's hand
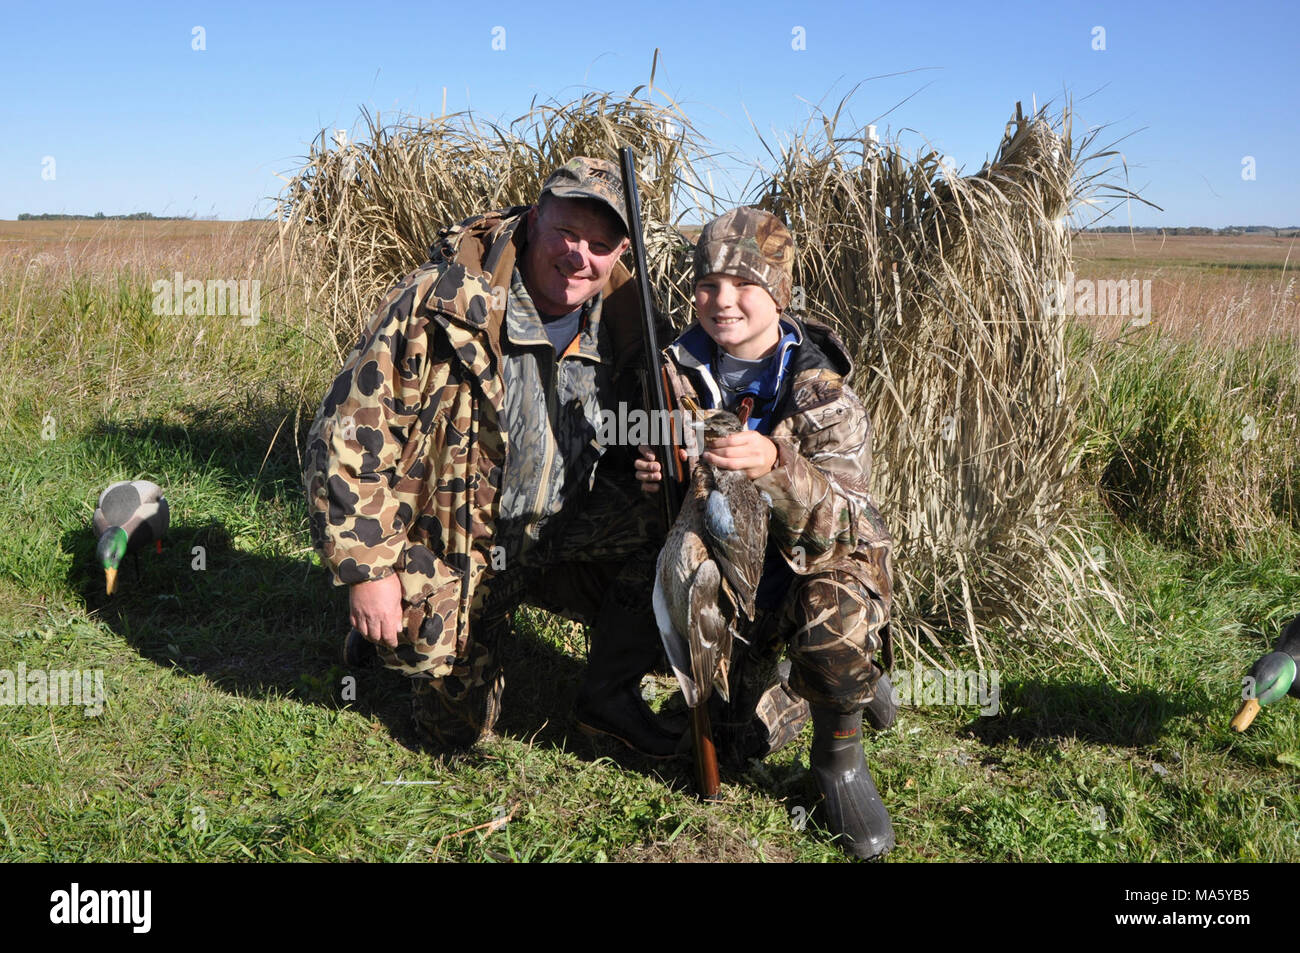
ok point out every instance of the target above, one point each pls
(748, 451)
(377, 609)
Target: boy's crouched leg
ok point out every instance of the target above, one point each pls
(455, 711)
(763, 714)
(841, 627)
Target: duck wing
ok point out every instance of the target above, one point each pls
(694, 630)
(137, 506)
(709, 634)
(735, 526)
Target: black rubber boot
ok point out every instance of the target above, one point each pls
(609, 702)
(883, 707)
(358, 651)
(623, 714)
(854, 811)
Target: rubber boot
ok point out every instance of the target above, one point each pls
(854, 811)
(883, 707)
(609, 702)
(358, 651)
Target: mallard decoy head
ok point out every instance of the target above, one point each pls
(1272, 677)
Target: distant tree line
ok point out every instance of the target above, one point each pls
(1290, 231)
(133, 217)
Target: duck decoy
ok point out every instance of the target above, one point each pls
(1274, 676)
(708, 571)
(129, 515)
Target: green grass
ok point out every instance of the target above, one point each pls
(1196, 446)
(227, 734)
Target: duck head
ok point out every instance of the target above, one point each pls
(109, 551)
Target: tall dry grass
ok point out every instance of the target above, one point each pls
(360, 215)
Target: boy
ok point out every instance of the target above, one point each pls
(825, 588)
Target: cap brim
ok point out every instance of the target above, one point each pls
(577, 192)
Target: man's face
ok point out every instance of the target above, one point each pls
(572, 248)
(738, 314)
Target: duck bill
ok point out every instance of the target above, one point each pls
(110, 580)
(1245, 715)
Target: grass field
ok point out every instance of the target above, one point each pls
(231, 731)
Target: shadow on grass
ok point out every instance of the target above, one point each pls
(1096, 712)
(262, 627)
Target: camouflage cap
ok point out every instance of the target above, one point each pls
(585, 178)
(749, 243)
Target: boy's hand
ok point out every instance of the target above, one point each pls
(648, 471)
(748, 451)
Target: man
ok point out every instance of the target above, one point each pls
(451, 470)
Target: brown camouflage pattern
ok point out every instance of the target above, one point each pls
(831, 534)
(749, 243)
(834, 629)
(404, 459)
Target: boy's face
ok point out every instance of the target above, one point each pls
(572, 249)
(738, 314)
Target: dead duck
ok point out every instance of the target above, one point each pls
(129, 515)
(1274, 676)
(708, 570)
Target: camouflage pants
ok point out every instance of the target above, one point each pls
(597, 571)
(834, 629)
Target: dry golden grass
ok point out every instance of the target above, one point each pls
(1213, 251)
(1226, 291)
(358, 217)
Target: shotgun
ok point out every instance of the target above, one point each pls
(706, 757)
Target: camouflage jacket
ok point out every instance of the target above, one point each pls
(405, 457)
(823, 515)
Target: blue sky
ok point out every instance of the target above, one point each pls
(137, 120)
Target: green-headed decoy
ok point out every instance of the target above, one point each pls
(130, 515)
(708, 570)
(1274, 676)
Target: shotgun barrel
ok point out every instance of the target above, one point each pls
(706, 759)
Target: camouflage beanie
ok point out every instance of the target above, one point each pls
(749, 243)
